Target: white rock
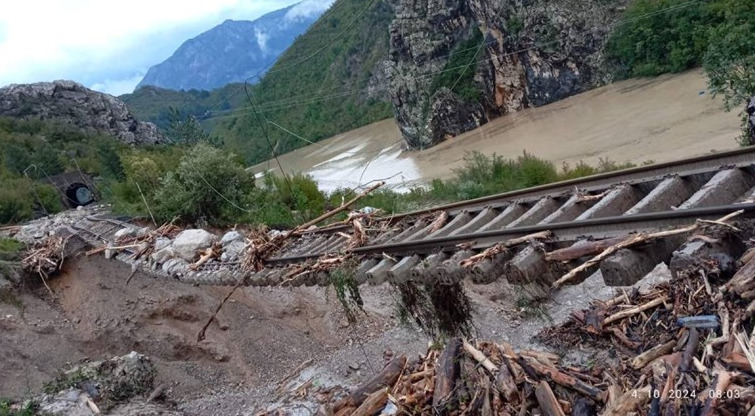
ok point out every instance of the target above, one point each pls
(232, 236)
(161, 243)
(234, 249)
(189, 242)
(110, 253)
(125, 233)
(175, 265)
(163, 254)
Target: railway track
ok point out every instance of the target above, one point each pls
(428, 246)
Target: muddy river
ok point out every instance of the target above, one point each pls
(661, 119)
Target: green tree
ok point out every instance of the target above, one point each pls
(730, 59)
(47, 160)
(111, 165)
(208, 186)
(17, 159)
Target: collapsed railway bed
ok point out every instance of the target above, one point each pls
(530, 236)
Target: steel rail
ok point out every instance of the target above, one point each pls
(737, 157)
(563, 231)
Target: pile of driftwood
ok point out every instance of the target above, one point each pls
(45, 259)
(483, 379)
(683, 348)
(686, 347)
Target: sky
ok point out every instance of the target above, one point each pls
(106, 45)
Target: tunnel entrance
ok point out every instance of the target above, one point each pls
(79, 194)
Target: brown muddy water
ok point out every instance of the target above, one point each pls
(661, 119)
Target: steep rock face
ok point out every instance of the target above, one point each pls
(71, 103)
(529, 53)
(232, 51)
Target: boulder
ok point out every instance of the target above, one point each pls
(232, 236)
(163, 254)
(162, 243)
(108, 382)
(124, 234)
(233, 245)
(189, 242)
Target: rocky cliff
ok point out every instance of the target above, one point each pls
(71, 103)
(455, 64)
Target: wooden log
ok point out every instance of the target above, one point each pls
(332, 213)
(549, 405)
(561, 378)
(479, 357)
(722, 381)
(583, 407)
(385, 379)
(649, 356)
(744, 280)
(689, 349)
(634, 311)
(487, 406)
(156, 393)
(628, 403)
(637, 239)
(373, 404)
(509, 359)
(505, 384)
(446, 372)
(583, 249)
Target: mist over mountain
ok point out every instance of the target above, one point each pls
(234, 50)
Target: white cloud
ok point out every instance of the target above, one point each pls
(308, 8)
(262, 38)
(119, 86)
(105, 43)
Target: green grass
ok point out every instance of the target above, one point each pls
(28, 409)
(10, 249)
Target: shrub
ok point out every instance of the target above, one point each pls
(16, 204)
(207, 187)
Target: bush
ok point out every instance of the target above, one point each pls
(659, 36)
(207, 187)
(18, 200)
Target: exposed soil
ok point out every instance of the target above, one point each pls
(260, 337)
(661, 119)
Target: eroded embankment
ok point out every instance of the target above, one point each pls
(260, 334)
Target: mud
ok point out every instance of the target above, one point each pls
(262, 334)
(662, 119)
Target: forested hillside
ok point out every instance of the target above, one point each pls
(329, 81)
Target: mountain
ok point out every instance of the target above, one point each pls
(232, 51)
(70, 103)
(440, 68)
(330, 80)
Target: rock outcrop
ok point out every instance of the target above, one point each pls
(531, 53)
(70, 103)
